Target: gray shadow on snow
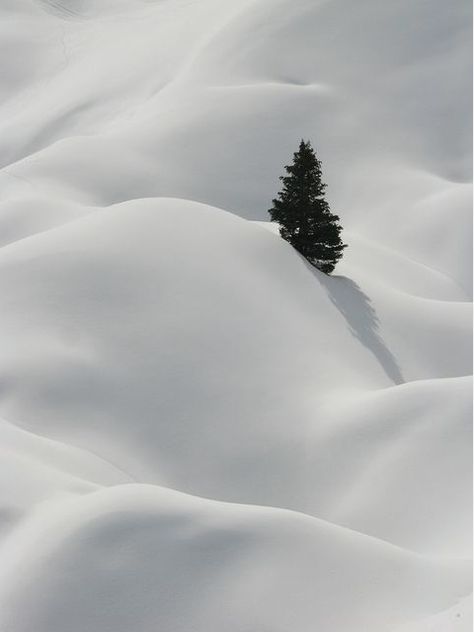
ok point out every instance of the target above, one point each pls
(362, 320)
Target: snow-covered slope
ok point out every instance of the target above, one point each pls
(200, 431)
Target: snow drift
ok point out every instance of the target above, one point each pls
(199, 430)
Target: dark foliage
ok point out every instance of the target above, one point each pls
(305, 219)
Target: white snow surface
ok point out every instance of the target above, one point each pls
(199, 431)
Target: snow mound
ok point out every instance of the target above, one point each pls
(258, 568)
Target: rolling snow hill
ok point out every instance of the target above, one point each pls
(198, 430)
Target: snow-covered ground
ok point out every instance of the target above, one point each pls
(199, 431)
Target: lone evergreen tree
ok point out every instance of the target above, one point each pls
(305, 219)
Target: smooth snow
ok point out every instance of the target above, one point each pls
(198, 430)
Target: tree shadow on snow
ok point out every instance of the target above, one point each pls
(361, 319)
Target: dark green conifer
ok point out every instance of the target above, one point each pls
(303, 214)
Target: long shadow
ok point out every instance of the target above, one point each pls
(361, 319)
